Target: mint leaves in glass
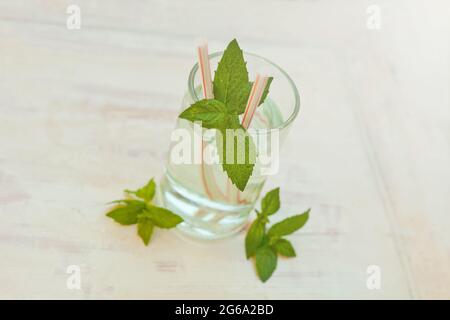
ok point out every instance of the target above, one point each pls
(231, 88)
(215, 197)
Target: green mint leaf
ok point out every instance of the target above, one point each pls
(145, 229)
(212, 113)
(161, 217)
(284, 247)
(237, 152)
(271, 202)
(254, 237)
(266, 262)
(127, 214)
(147, 192)
(230, 83)
(239, 174)
(289, 225)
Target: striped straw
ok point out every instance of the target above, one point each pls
(205, 69)
(253, 101)
(212, 190)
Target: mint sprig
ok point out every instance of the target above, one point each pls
(231, 91)
(139, 209)
(264, 245)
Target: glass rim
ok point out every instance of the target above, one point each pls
(293, 114)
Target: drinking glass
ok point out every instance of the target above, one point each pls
(197, 188)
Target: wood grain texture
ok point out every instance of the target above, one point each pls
(85, 113)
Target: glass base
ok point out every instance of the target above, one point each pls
(203, 217)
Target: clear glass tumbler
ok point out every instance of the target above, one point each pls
(198, 189)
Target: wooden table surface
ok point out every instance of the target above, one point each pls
(86, 113)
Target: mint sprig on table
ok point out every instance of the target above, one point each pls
(231, 87)
(264, 245)
(139, 209)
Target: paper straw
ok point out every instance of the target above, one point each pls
(253, 101)
(205, 69)
(206, 171)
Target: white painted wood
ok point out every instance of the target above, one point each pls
(86, 113)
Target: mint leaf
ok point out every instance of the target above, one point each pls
(212, 113)
(161, 217)
(284, 247)
(271, 202)
(239, 174)
(237, 152)
(147, 192)
(127, 214)
(231, 79)
(289, 225)
(254, 237)
(145, 229)
(266, 262)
